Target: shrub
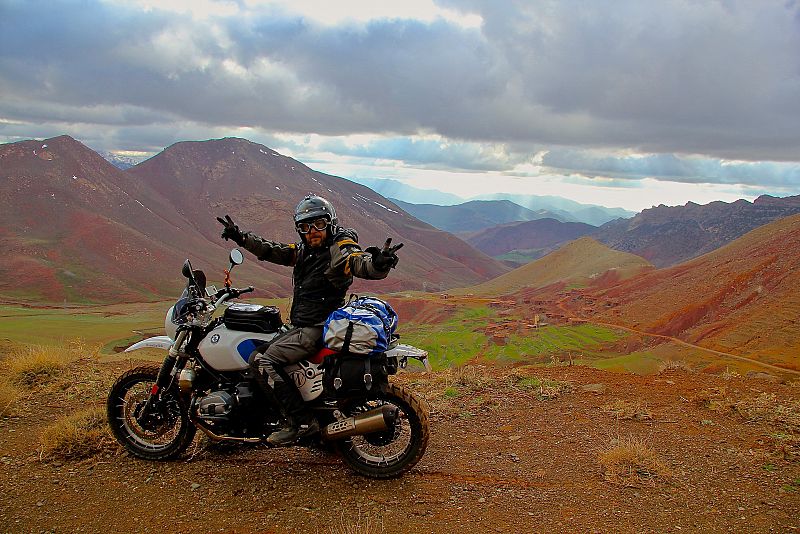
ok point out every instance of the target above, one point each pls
(8, 397)
(729, 374)
(77, 436)
(33, 365)
(673, 365)
(630, 461)
(363, 524)
(545, 387)
(623, 409)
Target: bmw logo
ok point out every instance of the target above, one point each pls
(215, 338)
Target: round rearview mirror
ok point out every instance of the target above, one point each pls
(187, 269)
(236, 256)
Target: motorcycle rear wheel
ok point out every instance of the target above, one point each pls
(394, 452)
(164, 435)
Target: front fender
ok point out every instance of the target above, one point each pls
(158, 342)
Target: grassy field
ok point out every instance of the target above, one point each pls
(101, 327)
(96, 326)
(475, 333)
(463, 338)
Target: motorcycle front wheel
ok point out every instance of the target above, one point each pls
(390, 453)
(163, 432)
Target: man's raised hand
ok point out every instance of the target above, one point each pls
(231, 231)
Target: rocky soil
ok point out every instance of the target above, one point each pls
(512, 450)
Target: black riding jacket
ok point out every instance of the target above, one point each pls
(321, 275)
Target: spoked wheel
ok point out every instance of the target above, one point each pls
(159, 433)
(392, 452)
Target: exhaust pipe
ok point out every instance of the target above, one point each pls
(376, 420)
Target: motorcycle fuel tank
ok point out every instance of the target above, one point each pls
(229, 350)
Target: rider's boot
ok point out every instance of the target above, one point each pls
(301, 423)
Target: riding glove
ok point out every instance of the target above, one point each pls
(385, 259)
(231, 231)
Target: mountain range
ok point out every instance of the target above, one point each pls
(742, 297)
(77, 228)
(475, 215)
(664, 235)
(552, 206)
(521, 242)
(667, 235)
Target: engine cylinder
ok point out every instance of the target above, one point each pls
(186, 380)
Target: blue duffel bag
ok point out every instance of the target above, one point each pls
(365, 326)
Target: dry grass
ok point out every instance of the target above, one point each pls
(544, 388)
(363, 524)
(730, 374)
(624, 409)
(77, 436)
(464, 391)
(630, 462)
(9, 395)
(673, 365)
(782, 415)
(34, 365)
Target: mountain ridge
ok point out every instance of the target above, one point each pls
(86, 231)
(744, 296)
(668, 235)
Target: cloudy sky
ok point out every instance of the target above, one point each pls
(625, 103)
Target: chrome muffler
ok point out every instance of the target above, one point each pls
(376, 420)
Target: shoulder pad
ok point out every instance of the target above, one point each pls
(345, 233)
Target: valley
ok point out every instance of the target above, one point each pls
(580, 375)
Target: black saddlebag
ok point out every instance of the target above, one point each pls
(356, 375)
(252, 318)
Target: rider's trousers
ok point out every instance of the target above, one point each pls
(295, 345)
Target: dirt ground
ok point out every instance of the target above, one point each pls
(503, 457)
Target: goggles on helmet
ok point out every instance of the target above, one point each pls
(305, 227)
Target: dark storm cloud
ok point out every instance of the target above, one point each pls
(712, 78)
(692, 77)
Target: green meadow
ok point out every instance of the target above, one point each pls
(96, 326)
(104, 327)
(452, 343)
(463, 338)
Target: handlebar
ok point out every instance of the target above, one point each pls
(230, 293)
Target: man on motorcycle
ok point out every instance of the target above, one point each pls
(324, 261)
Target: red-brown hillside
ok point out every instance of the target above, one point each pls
(259, 188)
(540, 234)
(743, 298)
(577, 263)
(667, 235)
(76, 228)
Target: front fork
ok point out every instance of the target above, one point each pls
(169, 369)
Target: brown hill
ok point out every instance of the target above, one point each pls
(539, 235)
(576, 263)
(743, 298)
(667, 235)
(259, 188)
(76, 228)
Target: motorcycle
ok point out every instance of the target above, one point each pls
(206, 382)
